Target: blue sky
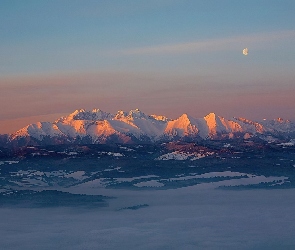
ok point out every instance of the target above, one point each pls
(166, 57)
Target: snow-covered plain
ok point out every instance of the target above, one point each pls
(185, 218)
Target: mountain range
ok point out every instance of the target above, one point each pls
(99, 127)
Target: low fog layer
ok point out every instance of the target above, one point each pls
(185, 218)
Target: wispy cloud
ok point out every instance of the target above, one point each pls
(211, 44)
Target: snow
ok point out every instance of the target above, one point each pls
(127, 149)
(72, 153)
(78, 175)
(124, 126)
(138, 124)
(130, 179)
(269, 139)
(8, 162)
(244, 180)
(210, 175)
(214, 123)
(151, 183)
(99, 125)
(30, 182)
(181, 156)
(117, 154)
(288, 144)
(113, 169)
(97, 183)
(160, 118)
(111, 154)
(182, 126)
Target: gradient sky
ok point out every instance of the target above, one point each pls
(162, 56)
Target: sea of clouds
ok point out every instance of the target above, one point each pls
(184, 218)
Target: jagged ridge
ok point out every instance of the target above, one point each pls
(97, 126)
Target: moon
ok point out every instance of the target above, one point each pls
(245, 51)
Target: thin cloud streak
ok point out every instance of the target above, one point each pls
(211, 44)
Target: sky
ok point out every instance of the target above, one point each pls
(165, 57)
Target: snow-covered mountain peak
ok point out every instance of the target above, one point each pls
(120, 115)
(160, 118)
(23, 132)
(94, 115)
(255, 125)
(244, 120)
(137, 114)
(97, 126)
(183, 126)
(185, 118)
(37, 130)
(210, 116)
(215, 123)
(281, 120)
(279, 125)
